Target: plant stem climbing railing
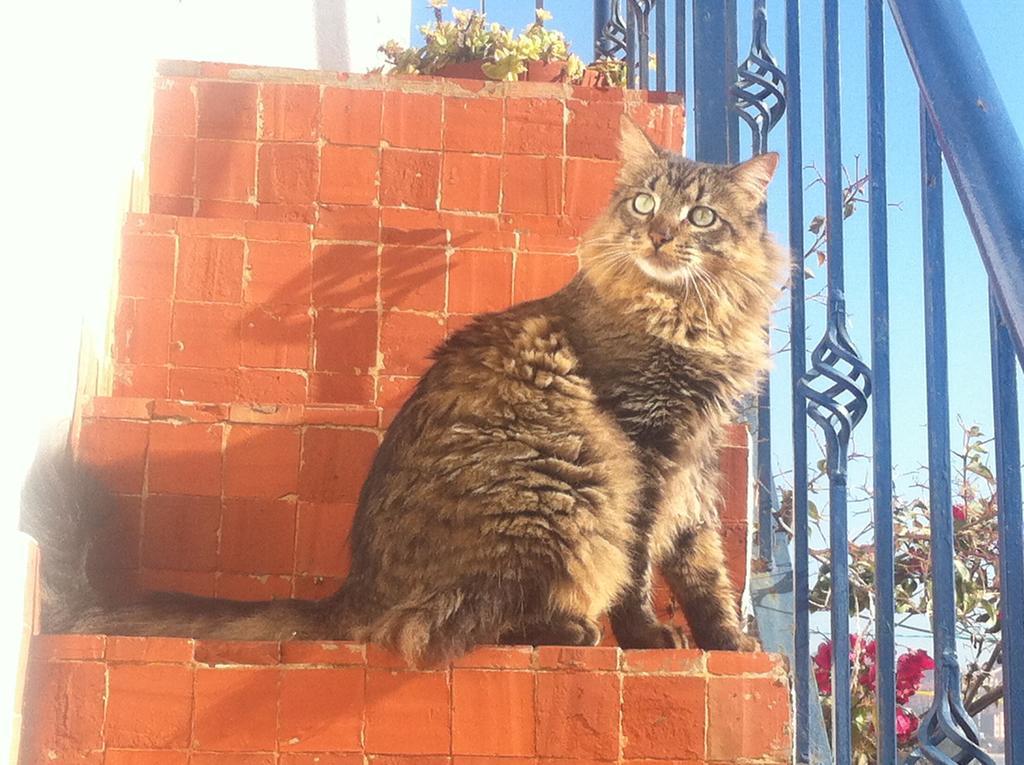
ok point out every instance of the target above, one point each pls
(964, 126)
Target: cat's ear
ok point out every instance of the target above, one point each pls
(634, 145)
(756, 173)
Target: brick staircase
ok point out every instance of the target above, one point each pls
(311, 236)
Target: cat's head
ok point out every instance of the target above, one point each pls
(672, 222)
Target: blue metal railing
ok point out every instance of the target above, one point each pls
(946, 720)
(1011, 529)
(798, 367)
(964, 122)
(881, 409)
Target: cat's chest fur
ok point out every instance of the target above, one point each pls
(657, 391)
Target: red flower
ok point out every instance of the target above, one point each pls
(823, 667)
(959, 512)
(862, 661)
(867, 674)
(910, 669)
(906, 724)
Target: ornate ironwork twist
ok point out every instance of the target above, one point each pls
(837, 386)
(759, 94)
(947, 722)
(612, 41)
(640, 11)
(643, 8)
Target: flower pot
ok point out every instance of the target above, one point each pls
(594, 79)
(463, 70)
(544, 71)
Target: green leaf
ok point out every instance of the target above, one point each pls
(506, 68)
(977, 468)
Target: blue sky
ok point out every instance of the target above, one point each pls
(997, 26)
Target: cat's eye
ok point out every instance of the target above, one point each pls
(702, 216)
(644, 204)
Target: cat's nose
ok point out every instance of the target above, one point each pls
(658, 238)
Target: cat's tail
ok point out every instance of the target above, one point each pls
(62, 508)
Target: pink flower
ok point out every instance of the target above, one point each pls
(906, 724)
(959, 512)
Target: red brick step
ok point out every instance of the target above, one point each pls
(161, 701)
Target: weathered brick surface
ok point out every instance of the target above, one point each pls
(183, 701)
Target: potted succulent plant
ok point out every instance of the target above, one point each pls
(470, 48)
(606, 72)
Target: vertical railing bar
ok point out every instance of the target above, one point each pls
(838, 532)
(946, 722)
(881, 422)
(602, 14)
(759, 95)
(660, 46)
(641, 22)
(936, 373)
(714, 36)
(833, 148)
(1011, 530)
(680, 46)
(765, 479)
(798, 365)
(631, 63)
(732, 120)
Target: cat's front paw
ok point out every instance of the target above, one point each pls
(655, 635)
(748, 644)
(731, 641)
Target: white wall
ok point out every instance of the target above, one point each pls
(338, 35)
(75, 98)
(77, 78)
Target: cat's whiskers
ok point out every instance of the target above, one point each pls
(700, 277)
(758, 286)
(713, 287)
(608, 262)
(703, 305)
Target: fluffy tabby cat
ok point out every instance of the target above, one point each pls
(553, 455)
